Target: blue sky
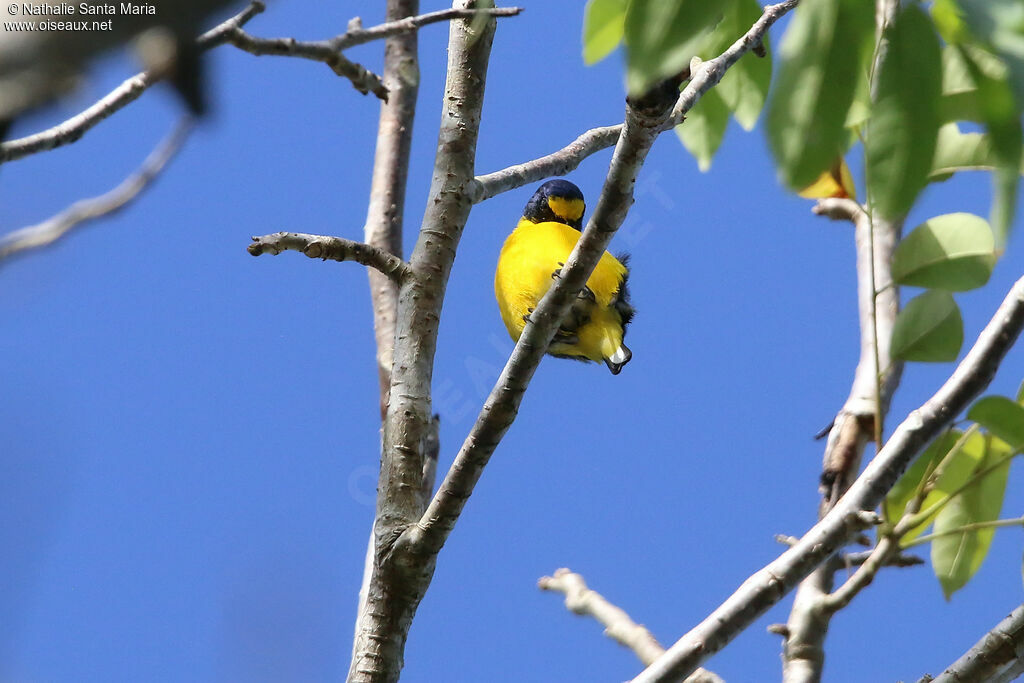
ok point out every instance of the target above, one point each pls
(190, 435)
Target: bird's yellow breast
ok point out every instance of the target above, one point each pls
(531, 254)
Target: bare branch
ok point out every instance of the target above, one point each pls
(330, 249)
(330, 51)
(130, 90)
(386, 209)
(569, 157)
(875, 380)
(618, 626)
(710, 72)
(358, 35)
(561, 162)
(996, 658)
(898, 560)
(402, 574)
(771, 583)
(887, 548)
(85, 210)
(383, 230)
(363, 80)
(839, 209)
(581, 600)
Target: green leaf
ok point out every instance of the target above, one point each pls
(905, 119)
(1000, 23)
(956, 151)
(823, 54)
(860, 107)
(959, 91)
(603, 26)
(1005, 182)
(962, 66)
(949, 20)
(1002, 417)
(963, 458)
(704, 128)
(663, 35)
(954, 252)
(903, 492)
(929, 329)
(994, 105)
(957, 557)
(1020, 394)
(744, 87)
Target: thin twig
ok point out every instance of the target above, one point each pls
(358, 35)
(584, 601)
(581, 600)
(85, 210)
(130, 90)
(966, 528)
(996, 658)
(887, 548)
(363, 80)
(771, 583)
(898, 560)
(330, 249)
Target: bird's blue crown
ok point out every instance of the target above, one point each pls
(556, 201)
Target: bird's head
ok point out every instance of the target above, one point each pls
(556, 200)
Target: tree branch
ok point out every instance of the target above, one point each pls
(330, 51)
(130, 90)
(330, 249)
(85, 210)
(401, 575)
(767, 586)
(594, 140)
(383, 230)
(875, 379)
(385, 212)
(996, 658)
(363, 80)
(581, 600)
(887, 549)
(357, 35)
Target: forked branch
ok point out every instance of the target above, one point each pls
(767, 586)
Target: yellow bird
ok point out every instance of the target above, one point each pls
(532, 258)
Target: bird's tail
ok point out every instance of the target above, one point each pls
(618, 359)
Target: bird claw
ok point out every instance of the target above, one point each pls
(557, 273)
(587, 294)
